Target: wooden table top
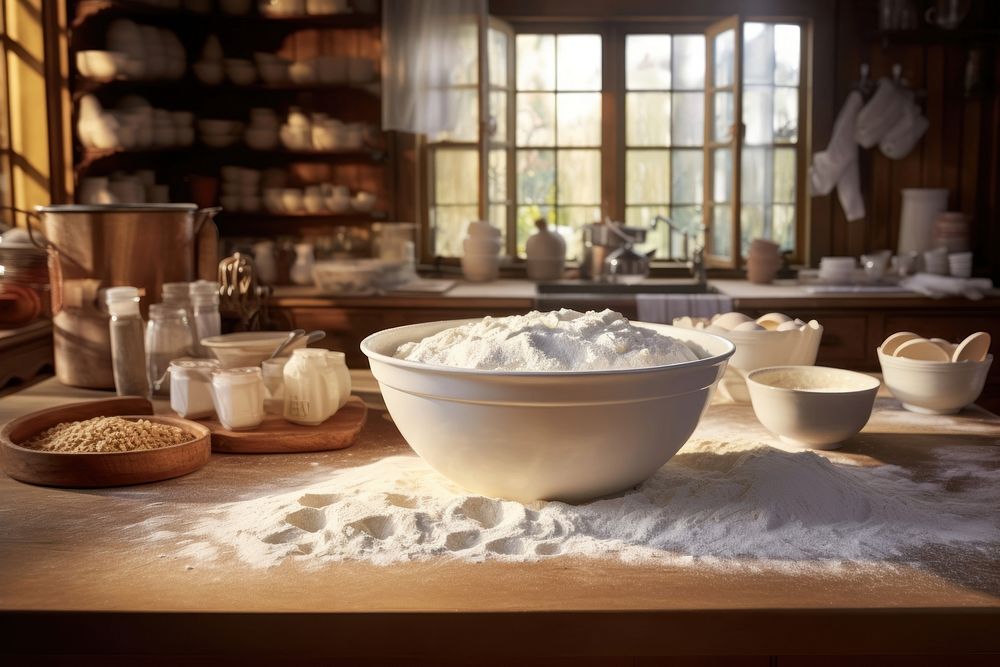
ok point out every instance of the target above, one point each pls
(70, 569)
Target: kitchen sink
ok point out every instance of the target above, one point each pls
(645, 287)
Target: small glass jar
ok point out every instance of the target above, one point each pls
(168, 337)
(191, 387)
(273, 371)
(238, 397)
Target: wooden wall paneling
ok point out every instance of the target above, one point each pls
(905, 173)
(932, 145)
(952, 97)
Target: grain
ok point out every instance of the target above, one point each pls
(107, 434)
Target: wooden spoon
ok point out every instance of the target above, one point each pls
(974, 348)
(890, 344)
(921, 349)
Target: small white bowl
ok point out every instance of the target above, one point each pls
(813, 407)
(248, 348)
(101, 65)
(241, 72)
(934, 387)
(209, 73)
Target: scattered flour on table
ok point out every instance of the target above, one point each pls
(561, 340)
(717, 501)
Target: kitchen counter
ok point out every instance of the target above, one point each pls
(76, 556)
(512, 292)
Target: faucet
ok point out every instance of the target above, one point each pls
(695, 258)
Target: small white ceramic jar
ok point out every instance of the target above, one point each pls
(311, 389)
(238, 396)
(191, 387)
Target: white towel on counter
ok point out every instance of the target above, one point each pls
(881, 113)
(935, 286)
(837, 166)
(902, 138)
(663, 308)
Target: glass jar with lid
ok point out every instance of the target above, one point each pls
(238, 396)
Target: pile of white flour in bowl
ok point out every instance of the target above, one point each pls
(562, 340)
(724, 498)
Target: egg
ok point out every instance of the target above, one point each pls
(730, 321)
(749, 326)
(789, 326)
(771, 321)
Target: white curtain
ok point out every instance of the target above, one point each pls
(423, 42)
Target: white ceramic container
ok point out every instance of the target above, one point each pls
(813, 407)
(934, 387)
(916, 218)
(762, 349)
(528, 436)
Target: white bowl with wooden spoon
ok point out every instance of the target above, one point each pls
(931, 381)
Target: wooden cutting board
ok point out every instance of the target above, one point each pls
(100, 469)
(277, 436)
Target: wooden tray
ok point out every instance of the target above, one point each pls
(99, 469)
(277, 436)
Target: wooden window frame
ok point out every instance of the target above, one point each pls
(613, 32)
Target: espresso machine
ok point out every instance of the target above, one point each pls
(609, 254)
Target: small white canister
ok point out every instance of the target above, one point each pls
(191, 387)
(238, 395)
(311, 388)
(336, 362)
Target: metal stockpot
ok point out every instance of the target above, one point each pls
(94, 247)
(599, 241)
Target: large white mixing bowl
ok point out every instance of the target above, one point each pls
(542, 436)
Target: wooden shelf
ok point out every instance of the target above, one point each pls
(82, 86)
(239, 223)
(89, 9)
(239, 153)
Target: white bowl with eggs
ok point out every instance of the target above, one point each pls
(774, 339)
(562, 435)
(812, 407)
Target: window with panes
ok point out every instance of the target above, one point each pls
(681, 150)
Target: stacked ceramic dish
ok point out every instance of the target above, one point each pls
(134, 123)
(934, 376)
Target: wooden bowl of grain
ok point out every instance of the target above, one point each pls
(106, 452)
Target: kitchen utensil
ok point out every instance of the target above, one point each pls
(626, 266)
(94, 247)
(932, 387)
(890, 344)
(921, 349)
(98, 469)
(813, 407)
(535, 435)
(292, 336)
(599, 240)
(974, 348)
(274, 435)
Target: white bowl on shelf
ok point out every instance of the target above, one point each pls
(101, 65)
(934, 387)
(812, 407)
(209, 72)
(241, 72)
(569, 436)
